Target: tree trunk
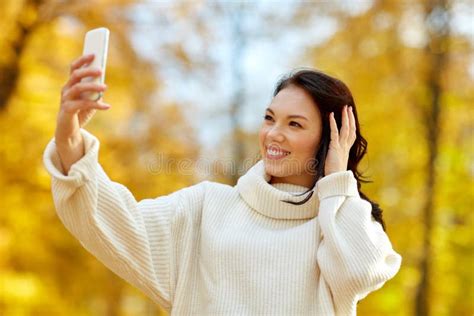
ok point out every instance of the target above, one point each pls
(436, 53)
(10, 72)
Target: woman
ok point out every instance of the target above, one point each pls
(267, 246)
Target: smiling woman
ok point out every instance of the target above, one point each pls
(312, 107)
(250, 249)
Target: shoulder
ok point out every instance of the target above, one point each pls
(204, 187)
(201, 192)
(219, 191)
(191, 201)
(212, 186)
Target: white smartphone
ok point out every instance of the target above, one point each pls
(96, 42)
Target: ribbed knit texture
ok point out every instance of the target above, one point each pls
(213, 249)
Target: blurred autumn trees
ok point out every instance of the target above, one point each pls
(43, 271)
(417, 113)
(404, 66)
(410, 73)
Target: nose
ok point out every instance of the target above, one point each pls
(276, 134)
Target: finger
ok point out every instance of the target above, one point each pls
(334, 131)
(78, 74)
(76, 105)
(344, 124)
(75, 91)
(78, 89)
(352, 124)
(79, 62)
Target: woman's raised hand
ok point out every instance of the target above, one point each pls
(76, 110)
(341, 142)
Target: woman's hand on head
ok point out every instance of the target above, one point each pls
(341, 142)
(75, 110)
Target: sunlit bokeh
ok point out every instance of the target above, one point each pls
(188, 82)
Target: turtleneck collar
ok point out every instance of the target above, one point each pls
(268, 199)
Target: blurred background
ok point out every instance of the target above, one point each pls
(189, 81)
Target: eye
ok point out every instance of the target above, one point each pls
(267, 117)
(296, 124)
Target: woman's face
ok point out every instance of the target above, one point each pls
(289, 137)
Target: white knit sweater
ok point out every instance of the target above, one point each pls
(213, 249)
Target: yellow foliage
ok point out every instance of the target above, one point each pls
(44, 271)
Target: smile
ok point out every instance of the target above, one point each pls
(274, 153)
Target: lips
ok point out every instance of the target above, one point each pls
(274, 152)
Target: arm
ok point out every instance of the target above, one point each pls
(131, 238)
(355, 255)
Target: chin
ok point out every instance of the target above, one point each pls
(275, 169)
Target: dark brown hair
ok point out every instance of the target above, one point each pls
(330, 95)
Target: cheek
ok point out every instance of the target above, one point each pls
(307, 146)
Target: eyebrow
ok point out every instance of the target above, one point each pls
(289, 116)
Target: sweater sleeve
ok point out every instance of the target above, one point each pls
(133, 239)
(355, 255)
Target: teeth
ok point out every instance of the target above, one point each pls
(277, 153)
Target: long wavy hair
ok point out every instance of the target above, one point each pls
(330, 95)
